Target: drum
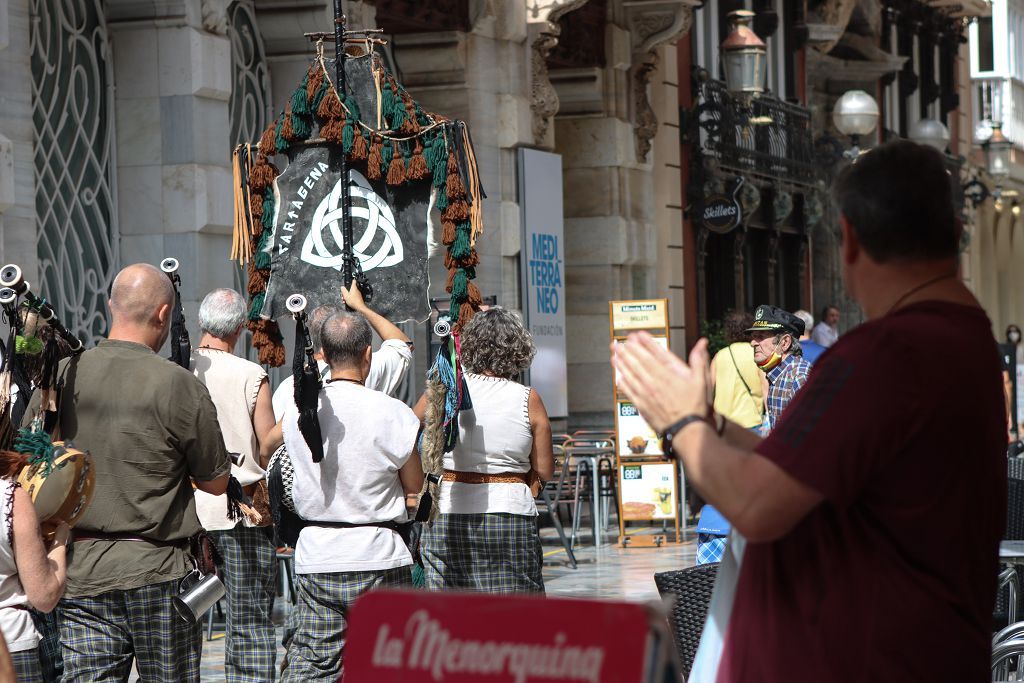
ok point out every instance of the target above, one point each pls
(62, 492)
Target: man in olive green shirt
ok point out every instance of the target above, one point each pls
(152, 430)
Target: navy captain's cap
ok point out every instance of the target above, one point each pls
(774, 319)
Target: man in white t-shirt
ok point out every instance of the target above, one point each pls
(352, 502)
(826, 332)
(389, 364)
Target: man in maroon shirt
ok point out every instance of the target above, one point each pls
(873, 513)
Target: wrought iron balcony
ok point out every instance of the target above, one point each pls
(768, 138)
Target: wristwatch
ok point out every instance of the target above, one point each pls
(717, 421)
(669, 432)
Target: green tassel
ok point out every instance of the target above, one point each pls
(419, 577)
(398, 114)
(300, 105)
(442, 200)
(348, 135)
(280, 144)
(37, 446)
(267, 218)
(437, 160)
(28, 346)
(302, 127)
(460, 286)
(461, 248)
(386, 155)
(421, 117)
(261, 256)
(257, 305)
(318, 96)
(353, 107)
(387, 102)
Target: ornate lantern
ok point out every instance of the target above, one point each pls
(744, 57)
(855, 114)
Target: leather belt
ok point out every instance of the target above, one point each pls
(485, 478)
(107, 536)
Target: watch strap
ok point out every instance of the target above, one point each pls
(669, 432)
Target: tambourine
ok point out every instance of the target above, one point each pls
(64, 493)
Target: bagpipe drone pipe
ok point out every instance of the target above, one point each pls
(181, 345)
(36, 343)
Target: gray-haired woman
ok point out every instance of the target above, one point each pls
(485, 537)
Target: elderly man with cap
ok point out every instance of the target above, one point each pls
(775, 337)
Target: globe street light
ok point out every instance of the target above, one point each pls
(931, 133)
(855, 114)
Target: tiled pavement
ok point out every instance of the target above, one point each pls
(609, 572)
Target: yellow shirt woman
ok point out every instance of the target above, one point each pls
(737, 385)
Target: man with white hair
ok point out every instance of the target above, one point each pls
(241, 394)
(811, 348)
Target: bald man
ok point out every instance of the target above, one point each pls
(152, 431)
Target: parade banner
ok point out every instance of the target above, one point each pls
(407, 636)
(389, 233)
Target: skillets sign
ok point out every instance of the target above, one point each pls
(721, 213)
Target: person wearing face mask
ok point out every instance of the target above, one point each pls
(775, 337)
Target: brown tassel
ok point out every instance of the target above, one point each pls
(359, 148)
(472, 260)
(417, 164)
(466, 312)
(456, 211)
(410, 126)
(373, 159)
(453, 164)
(473, 295)
(266, 147)
(256, 206)
(257, 282)
(313, 83)
(272, 354)
(454, 187)
(396, 171)
(330, 107)
(262, 175)
(447, 232)
(287, 132)
(451, 280)
(332, 130)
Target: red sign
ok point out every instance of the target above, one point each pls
(462, 637)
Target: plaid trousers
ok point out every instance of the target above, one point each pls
(27, 666)
(50, 659)
(100, 636)
(249, 573)
(316, 649)
(494, 552)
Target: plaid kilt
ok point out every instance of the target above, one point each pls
(27, 666)
(249, 572)
(100, 635)
(317, 647)
(710, 548)
(495, 552)
(50, 660)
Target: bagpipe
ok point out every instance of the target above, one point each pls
(181, 345)
(58, 477)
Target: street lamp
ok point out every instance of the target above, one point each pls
(855, 114)
(997, 156)
(931, 133)
(744, 57)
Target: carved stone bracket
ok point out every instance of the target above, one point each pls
(543, 36)
(215, 16)
(651, 23)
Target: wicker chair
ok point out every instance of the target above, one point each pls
(1001, 615)
(691, 592)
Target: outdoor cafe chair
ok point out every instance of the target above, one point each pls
(690, 590)
(551, 496)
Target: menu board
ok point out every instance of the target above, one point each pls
(634, 436)
(648, 491)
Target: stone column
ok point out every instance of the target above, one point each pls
(618, 210)
(17, 170)
(172, 69)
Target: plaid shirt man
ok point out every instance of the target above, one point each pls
(784, 380)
